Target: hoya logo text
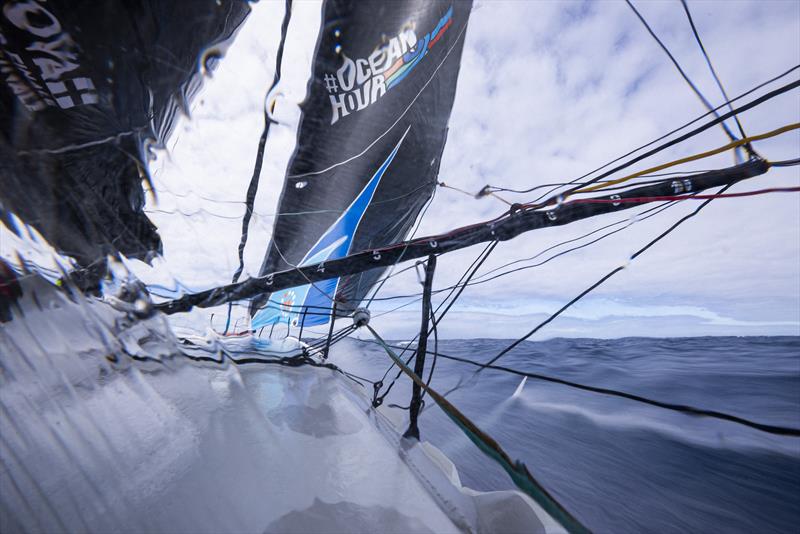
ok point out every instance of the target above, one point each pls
(40, 59)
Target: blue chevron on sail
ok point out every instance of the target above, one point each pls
(334, 243)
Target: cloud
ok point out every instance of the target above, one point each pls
(547, 92)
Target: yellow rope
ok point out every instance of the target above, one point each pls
(687, 159)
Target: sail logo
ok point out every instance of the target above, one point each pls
(47, 72)
(359, 83)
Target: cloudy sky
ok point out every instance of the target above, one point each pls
(547, 92)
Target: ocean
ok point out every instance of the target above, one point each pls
(620, 466)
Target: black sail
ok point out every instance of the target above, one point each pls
(85, 88)
(370, 140)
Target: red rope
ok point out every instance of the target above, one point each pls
(684, 197)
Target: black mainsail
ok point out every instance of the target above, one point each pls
(369, 145)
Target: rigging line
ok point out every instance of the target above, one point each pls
(773, 133)
(479, 195)
(475, 266)
(603, 279)
(686, 78)
(713, 71)
(654, 141)
(517, 470)
(320, 341)
(786, 163)
(503, 227)
(252, 189)
(694, 197)
(465, 278)
(417, 299)
(657, 209)
(380, 285)
(481, 279)
(435, 355)
(472, 269)
(558, 255)
(561, 184)
(690, 410)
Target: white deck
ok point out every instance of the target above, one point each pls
(86, 445)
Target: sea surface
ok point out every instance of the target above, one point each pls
(618, 465)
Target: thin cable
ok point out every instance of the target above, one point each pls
(524, 191)
(703, 99)
(693, 197)
(465, 278)
(787, 163)
(252, 189)
(702, 155)
(690, 410)
(684, 126)
(713, 71)
(602, 280)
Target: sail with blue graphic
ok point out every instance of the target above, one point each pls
(370, 141)
(303, 303)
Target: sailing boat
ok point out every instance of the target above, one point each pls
(111, 425)
(120, 424)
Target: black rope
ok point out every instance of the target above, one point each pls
(435, 356)
(468, 273)
(676, 130)
(690, 410)
(252, 189)
(493, 188)
(758, 101)
(639, 217)
(748, 146)
(681, 71)
(787, 163)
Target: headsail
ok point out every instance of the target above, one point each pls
(86, 89)
(370, 140)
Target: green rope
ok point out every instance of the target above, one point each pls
(519, 474)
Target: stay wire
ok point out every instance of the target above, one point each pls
(561, 184)
(687, 409)
(686, 78)
(516, 469)
(483, 280)
(745, 107)
(636, 217)
(714, 73)
(786, 163)
(252, 189)
(465, 278)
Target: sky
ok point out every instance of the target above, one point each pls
(547, 92)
